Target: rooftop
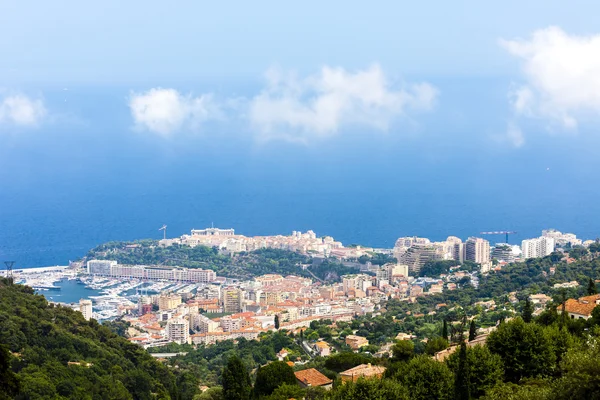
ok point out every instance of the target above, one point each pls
(312, 377)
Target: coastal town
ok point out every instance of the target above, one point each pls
(166, 304)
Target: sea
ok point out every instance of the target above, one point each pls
(71, 291)
(87, 175)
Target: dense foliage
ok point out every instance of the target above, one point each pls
(57, 354)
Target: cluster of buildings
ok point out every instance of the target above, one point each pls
(416, 252)
(221, 312)
(113, 269)
(228, 241)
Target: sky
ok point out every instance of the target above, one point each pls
(496, 103)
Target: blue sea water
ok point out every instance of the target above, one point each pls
(87, 177)
(70, 292)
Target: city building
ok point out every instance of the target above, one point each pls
(538, 247)
(366, 371)
(168, 301)
(562, 239)
(203, 324)
(232, 299)
(178, 330)
(505, 252)
(144, 305)
(313, 378)
(213, 232)
(100, 267)
(115, 270)
(418, 255)
(477, 250)
(85, 308)
(356, 342)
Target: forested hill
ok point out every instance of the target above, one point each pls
(54, 353)
(243, 265)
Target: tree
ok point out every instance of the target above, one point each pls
(370, 389)
(276, 321)
(527, 311)
(591, 289)
(472, 331)
(426, 378)
(445, 330)
(9, 383)
(462, 381)
(485, 369)
(538, 390)
(271, 376)
(236, 380)
(436, 344)
(403, 350)
(581, 369)
(524, 348)
(287, 391)
(214, 393)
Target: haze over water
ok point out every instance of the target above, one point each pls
(73, 188)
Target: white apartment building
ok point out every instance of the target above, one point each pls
(203, 324)
(85, 308)
(113, 269)
(538, 247)
(100, 267)
(477, 250)
(561, 239)
(178, 330)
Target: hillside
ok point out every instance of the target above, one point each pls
(56, 354)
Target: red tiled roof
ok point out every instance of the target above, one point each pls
(312, 377)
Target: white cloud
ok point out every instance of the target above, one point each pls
(514, 135)
(562, 75)
(165, 111)
(21, 110)
(319, 105)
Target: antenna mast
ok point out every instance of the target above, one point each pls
(9, 270)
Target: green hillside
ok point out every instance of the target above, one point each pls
(42, 342)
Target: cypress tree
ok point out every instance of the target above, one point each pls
(591, 289)
(462, 384)
(276, 321)
(472, 331)
(445, 330)
(236, 380)
(527, 311)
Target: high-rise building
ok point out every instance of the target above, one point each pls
(457, 248)
(178, 330)
(538, 247)
(477, 250)
(503, 252)
(232, 299)
(418, 255)
(85, 308)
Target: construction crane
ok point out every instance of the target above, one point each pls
(499, 233)
(164, 229)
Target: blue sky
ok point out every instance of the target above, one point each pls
(133, 42)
